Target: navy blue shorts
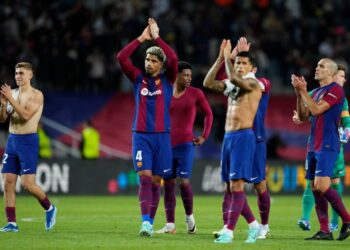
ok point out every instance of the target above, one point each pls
(183, 155)
(259, 163)
(21, 154)
(152, 151)
(320, 164)
(237, 155)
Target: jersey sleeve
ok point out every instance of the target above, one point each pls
(204, 106)
(123, 58)
(171, 60)
(267, 84)
(334, 95)
(345, 116)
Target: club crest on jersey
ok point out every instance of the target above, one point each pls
(146, 92)
(157, 82)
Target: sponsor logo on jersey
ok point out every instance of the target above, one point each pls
(146, 92)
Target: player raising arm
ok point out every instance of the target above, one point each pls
(151, 147)
(238, 147)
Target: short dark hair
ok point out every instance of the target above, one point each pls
(341, 67)
(183, 65)
(251, 58)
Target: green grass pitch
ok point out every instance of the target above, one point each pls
(107, 222)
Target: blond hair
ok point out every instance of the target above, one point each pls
(157, 51)
(25, 65)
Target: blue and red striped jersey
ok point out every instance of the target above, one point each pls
(324, 127)
(152, 104)
(152, 94)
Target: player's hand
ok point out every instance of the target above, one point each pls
(198, 140)
(154, 29)
(6, 91)
(296, 118)
(243, 45)
(234, 53)
(222, 47)
(299, 83)
(227, 49)
(146, 33)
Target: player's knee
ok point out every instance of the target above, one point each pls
(321, 188)
(9, 187)
(156, 179)
(260, 187)
(184, 182)
(28, 186)
(237, 186)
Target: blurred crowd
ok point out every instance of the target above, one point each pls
(72, 43)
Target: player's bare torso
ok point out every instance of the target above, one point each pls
(17, 124)
(241, 109)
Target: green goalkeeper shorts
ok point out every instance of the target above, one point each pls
(339, 167)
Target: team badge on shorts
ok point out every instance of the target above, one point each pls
(139, 164)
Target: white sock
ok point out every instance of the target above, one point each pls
(253, 224)
(189, 218)
(170, 225)
(50, 208)
(229, 232)
(13, 223)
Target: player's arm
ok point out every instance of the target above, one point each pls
(248, 84)
(345, 121)
(171, 57)
(242, 45)
(333, 96)
(296, 118)
(344, 129)
(3, 113)
(345, 116)
(210, 81)
(315, 108)
(302, 109)
(123, 56)
(204, 106)
(171, 60)
(29, 109)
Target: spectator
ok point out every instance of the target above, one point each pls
(45, 150)
(90, 142)
(71, 32)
